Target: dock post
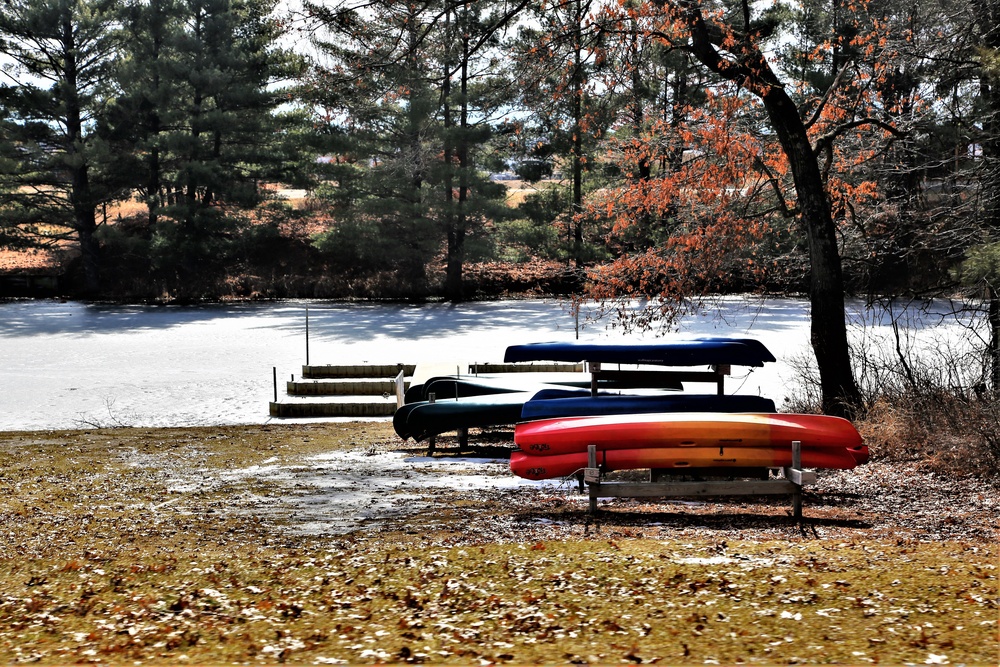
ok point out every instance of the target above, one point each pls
(431, 441)
(400, 388)
(274, 371)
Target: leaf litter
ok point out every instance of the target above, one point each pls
(327, 544)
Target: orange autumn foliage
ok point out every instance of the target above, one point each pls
(730, 200)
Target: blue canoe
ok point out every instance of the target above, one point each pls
(546, 406)
(693, 352)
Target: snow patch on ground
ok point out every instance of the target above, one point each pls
(340, 492)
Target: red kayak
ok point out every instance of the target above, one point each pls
(549, 466)
(709, 430)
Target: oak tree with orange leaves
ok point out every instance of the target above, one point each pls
(769, 158)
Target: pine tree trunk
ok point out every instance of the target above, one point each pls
(577, 92)
(81, 196)
(456, 268)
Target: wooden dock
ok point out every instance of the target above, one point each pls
(375, 390)
(355, 390)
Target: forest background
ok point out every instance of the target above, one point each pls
(672, 149)
(150, 138)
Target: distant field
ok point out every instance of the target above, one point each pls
(15, 261)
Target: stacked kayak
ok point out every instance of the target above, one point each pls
(693, 352)
(423, 419)
(635, 419)
(464, 401)
(465, 386)
(549, 405)
(558, 447)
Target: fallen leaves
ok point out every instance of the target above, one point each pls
(107, 578)
(636, 602)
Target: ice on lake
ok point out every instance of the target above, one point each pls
(72, 364)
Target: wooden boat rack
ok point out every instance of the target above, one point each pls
(653, 379)
(791, 483)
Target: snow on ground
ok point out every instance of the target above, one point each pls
(340, 492)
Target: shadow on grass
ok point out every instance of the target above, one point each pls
(720, 521)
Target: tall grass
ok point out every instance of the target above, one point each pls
(924, 381)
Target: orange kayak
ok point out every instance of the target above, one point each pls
(549, 466)
(709, 430)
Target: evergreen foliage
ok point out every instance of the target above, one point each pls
(54, 173)
(685, 147)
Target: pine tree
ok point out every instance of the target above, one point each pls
(210, 129)
(477, 95)
(147, 107)
(375, 81)
(53, 177)
(409, 111)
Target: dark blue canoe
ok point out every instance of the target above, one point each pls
(694, 352)
(543, 406)
(448, 387)
(423, 420)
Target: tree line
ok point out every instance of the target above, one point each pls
(826, 146)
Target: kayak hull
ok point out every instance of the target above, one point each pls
(552, 466)
(544, 407)
(424, 420)
(684, 430)
(693, 352)
(445, 387)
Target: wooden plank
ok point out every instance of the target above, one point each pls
(401, 386)
(310, 409)
(476, 368)
(692, 489)
(656, 378)
(799, 477)
(661, 378)
(343, 388)
(667, 474)
(356, 371)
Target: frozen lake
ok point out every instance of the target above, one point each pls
(70, 364)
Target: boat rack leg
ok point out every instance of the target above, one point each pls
(592, 475)
(794, 478)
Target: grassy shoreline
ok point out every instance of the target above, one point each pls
(112, 556)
